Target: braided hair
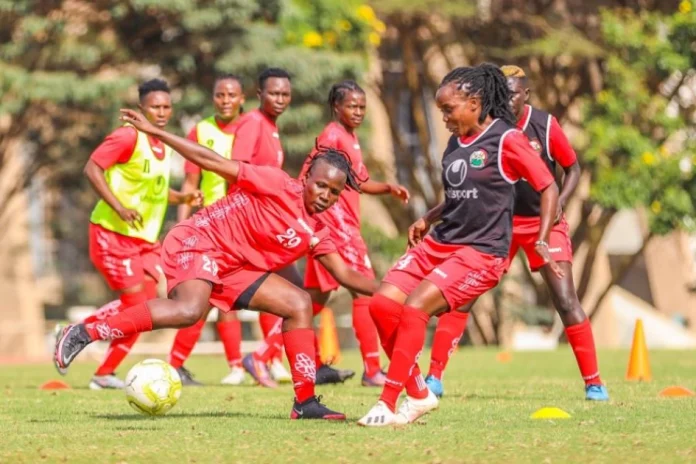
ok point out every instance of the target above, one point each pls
(487, 82)
(340, 90)
(339, 160)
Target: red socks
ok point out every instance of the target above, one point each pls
(184, 342)
(231, 338)
(582, 341)
(366, 333)
(271, 345)
(410, 339)
(300, 352)
(119, 347)
(110, 309)
(387, 315)
(129, 321)
(450, 328)
(267, 322)
(316, 309)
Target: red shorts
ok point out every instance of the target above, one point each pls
(525, 232)
(123, 260)
(188, 254)
(353, 253)
(461, 272)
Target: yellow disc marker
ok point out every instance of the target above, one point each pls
(550, 413)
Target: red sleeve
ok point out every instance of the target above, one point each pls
(265, 180)
(519, 160)
(246, 139)
(117, 147)
(559, 146)
(325, 244)
(189, 167)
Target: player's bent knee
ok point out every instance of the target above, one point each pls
(300, 306)
(568, 304)
(190, 312)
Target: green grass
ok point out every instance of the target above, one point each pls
(484, 417)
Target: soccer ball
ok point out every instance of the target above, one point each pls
(153, 387)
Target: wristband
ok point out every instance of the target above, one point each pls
(541, 243)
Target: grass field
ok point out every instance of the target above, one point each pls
(484, 417)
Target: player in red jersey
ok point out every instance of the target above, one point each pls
(217, 133)
(549, 141)
(130, 172)
(347, 103)
(226, 255)
(465, 254)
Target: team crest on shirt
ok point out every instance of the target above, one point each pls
(210, 143)
(536, 145)
(478, 159)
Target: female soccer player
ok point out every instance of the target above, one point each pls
(216, 132)
(465, 255)
(549, 141)
(347, 104)
(130, 172)
(226, 253)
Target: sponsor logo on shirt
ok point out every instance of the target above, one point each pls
(455, 175)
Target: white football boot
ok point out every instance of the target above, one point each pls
(235, 377)
(379, 416)
(411, 409)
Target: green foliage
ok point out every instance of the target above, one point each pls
(637, 126)
(451, 9)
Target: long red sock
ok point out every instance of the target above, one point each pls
(316, 309)
(270, 345)
(267, 322)
(184, 341)
(231, 338)
(130, 321)
(300, 352)
(119, 347)
(386, 314)
(367, 336)
(450, 328)
(582, 341)
(109, 309)
(408, 347)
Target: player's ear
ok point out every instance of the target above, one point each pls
(526, 95)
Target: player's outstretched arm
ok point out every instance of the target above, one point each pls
(197, 154)
(382, 188)
(346, 276)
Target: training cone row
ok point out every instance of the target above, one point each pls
(638, 363)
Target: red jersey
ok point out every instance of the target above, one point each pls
(118, 147)
(344, 217)
(257, 141)
(263, 223)
(227, 128)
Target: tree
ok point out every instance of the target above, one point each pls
(67, 66)
(581, 60)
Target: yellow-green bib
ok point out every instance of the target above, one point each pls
(141, 184)
(209, 135)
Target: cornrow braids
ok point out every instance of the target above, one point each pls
(339, 91)
(487, 82)
(340, 160)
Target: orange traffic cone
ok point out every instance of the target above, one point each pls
(638, 363)
(329, 349)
